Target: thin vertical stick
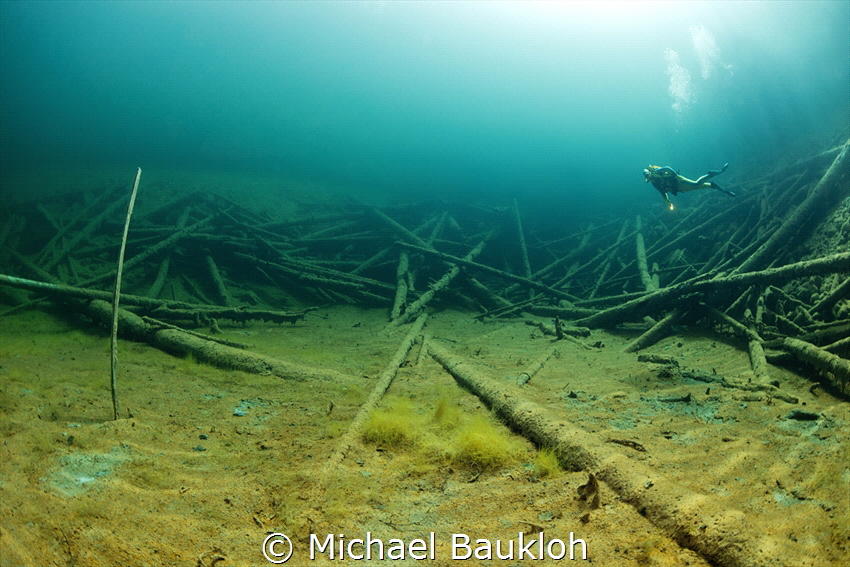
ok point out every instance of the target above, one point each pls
(523, 250)
(117, 294)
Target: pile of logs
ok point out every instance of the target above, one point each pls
(200, 259)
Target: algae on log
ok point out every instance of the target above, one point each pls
(378, 390)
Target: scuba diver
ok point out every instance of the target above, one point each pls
(665, 180)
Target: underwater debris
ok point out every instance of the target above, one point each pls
(658, 359)
(276, 267)
(654, 333)
(390, 432)
(836, 368)
(629, 443)
(686, 399)
(536, 366)
(580, 450)
(772, 390)
(417, 306)
(589, 492)
(116, 296)
(829, 189)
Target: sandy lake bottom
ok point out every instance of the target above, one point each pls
(204, 462)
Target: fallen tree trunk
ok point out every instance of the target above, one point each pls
(152, 250)
(437, 223)
(175, 310)
(821, 198)
(315, 273)
(655, 333)
(218, 282)
(487, 297)
(667, 297)
(400, 302)
(535, 366)
(90, 211)
(725, 537)
(605, 267)
(180, 343)
(417, 306)
(820, 337)
(609, 253)
(564, 312)
(838, 367)
(825, 305)
(84, 234)
(507, 275)
(545, 270)
(825, 265)
(758, 362)
(647, 280)
(769, 389)
(387, 376)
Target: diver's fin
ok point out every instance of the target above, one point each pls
(714, 172)
(719, 188)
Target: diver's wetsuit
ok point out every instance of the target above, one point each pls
(665, 180)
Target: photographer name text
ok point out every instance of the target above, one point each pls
(523, 547)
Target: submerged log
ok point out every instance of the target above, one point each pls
(647, 281)
(667, 297)
(771, 390)
(758, 362)
(88, 212)
(486, 296)
(400, 302)
(821, 198)
(565, 312)
(387, 376)
(417, 306)
(836, 368)
(600, 279)
(84, 234)
(320, 275)
(153, 250)
(655, 333)
(825, 305)
(507, 275)
(833, 332)
(180, 343)
(725, 537)
(175, 310)
(398, 229)
(536, 366)
(437, 223)
(218, 281)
